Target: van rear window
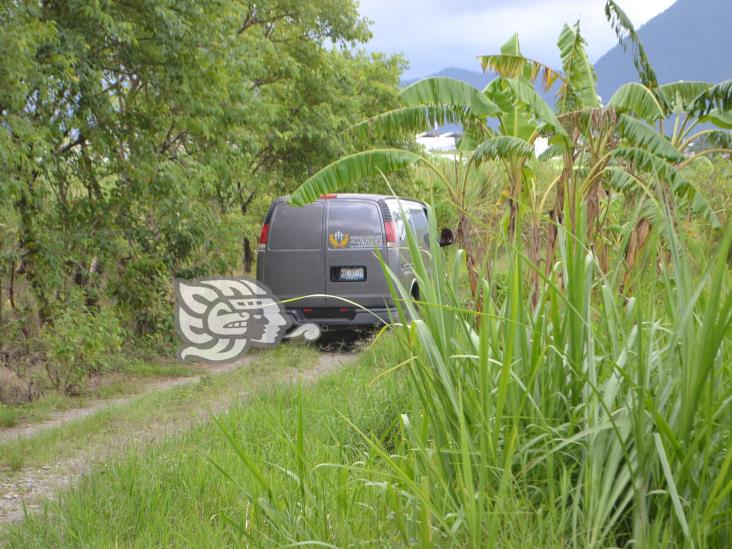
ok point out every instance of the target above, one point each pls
(415, 215)
(353, 224)
(297, 228)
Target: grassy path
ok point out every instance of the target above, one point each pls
(63, 416)
(34, 467)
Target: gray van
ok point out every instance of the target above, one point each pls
(316, 254)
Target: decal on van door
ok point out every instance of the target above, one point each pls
(340, 240)
(366, 241)
(220, 319)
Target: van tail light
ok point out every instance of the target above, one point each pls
(263, 236)
(390, 233)
(328, 196)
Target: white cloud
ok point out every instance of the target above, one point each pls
(434, 34)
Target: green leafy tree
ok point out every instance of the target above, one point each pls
(143, 132)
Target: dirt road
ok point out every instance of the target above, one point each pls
(25, 490)
(65, 416)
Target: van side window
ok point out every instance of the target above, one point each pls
(353, 224)
(297, 228)
(415, 216)
(418, 220)
(401, 227)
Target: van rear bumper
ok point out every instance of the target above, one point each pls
(334, 318)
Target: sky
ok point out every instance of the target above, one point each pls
(434, 34)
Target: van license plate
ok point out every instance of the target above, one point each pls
(351, 274)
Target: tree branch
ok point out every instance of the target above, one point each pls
(68, 146)
(252, 19)
(245, 204)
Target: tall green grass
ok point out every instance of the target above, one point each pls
(592, 419)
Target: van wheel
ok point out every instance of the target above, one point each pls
(415, 291)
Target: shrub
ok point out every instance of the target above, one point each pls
(14, 389)
(75, 345)
(144, 293)
(8, 416)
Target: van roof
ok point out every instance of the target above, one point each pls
(379, 198)
(366, 196)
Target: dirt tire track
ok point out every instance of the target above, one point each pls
(24, 491)
(93, 406)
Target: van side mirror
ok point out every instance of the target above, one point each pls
(446, 237)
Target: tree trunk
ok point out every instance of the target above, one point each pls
(11, 288)
(83, 278)
(637, 240)
(463, 234)
(513, 201)
(29, 243)
(248, 256)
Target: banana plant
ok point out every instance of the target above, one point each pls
(688, 105)
(648, 110)
(620, 147)
(524, 117)
(693, 109)
(521, 114)
(577, 106)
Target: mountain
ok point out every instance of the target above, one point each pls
(474, 78)
(689, 41)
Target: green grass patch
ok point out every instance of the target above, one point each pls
(160, 369)
(41, 409)
(118, 421)
(8, 416)
(117, 388)
(129, 379)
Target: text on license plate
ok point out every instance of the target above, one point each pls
(350, 274)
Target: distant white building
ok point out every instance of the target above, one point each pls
(434, 141)
(540, 145)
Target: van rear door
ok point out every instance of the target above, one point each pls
(352, 270)
(294, 264)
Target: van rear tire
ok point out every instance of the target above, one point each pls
(414, 292)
